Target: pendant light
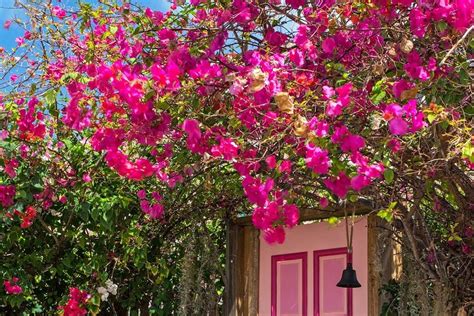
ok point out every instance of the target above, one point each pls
(349, 276)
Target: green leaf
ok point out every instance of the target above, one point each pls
(468, 152)
(441, 26)
(444, 125)
(353, 198)
(21, 194)
(392, 205)
(469, 110)
(464, 76)
(386, 215)
(431, 117)
(376, 99)
(50, 97)
(388, 175)
(333, 220)
(95, 213)
(84, 211)
(113, 29)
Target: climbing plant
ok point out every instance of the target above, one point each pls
(128, 136)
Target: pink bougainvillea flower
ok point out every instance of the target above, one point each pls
(320, 128)
(292, 215)
(274, 38)
(20, 41)
(268, 214)
(256, 191)
(302, 40)
(344, 90)
(191, 127)
(394, 145)
(7, 24)
(418, 122)
(404, 119)
(157, 196)
(359, 182)
(76, 305)
(296, 56)
(107, 138)
(27, 217)
(4, 134)
(156, 211)
(271, 162)
(7, 194)
(76, 116)
(418, 22)
(86, 177)
(227, 148)
(12, 287)
(414, 67)
(30, 122)
(205, 70)
(285, 166)
(352, 143)
(334, 108)
(323, 202)
(339, 185)
(340, 132)
(328, 92)
(328, 45)
(398, 126)
(295, 4)
(317, 159)
(274, 235)
(464, 14)
(400, 86)
(259, 218)
(59, 12)
(10, 167)
(139, 170)
(141, 194)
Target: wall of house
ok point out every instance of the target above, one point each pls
(308, 238)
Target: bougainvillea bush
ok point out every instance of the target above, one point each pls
(126, 133)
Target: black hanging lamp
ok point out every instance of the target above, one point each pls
(349, 276)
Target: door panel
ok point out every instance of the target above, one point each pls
(289, 284)
(330, 300)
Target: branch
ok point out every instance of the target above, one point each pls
(456, 45)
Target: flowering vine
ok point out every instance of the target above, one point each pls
(305, 104)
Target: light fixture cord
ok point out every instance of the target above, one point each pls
(350, 234)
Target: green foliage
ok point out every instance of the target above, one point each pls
(101, 234)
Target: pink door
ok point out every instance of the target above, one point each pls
(289, 285)
(328, 298)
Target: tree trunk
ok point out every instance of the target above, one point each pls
(442, 304)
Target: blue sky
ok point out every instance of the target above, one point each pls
(7, 12)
